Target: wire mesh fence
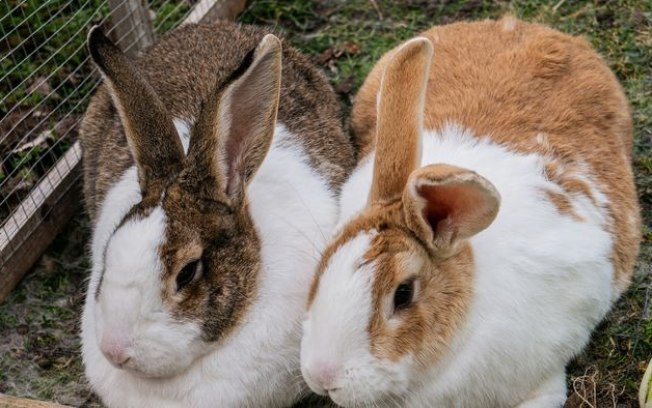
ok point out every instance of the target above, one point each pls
(46, 80)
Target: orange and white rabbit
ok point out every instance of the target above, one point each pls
(488, 230)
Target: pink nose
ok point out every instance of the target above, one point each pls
(114, 348)
(324, 374)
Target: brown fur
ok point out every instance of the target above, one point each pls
(204, 205)
(183, 68)
(226, 240)
(206, 73)
(149, 130)
(512, 81)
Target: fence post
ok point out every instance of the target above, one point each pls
(132, 25)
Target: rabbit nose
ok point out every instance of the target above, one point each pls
(114, 346)
(325, 374)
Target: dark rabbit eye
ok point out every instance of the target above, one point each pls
(403, 295)
(188, 273)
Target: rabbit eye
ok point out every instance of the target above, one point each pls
(403, 295)
(188, 273)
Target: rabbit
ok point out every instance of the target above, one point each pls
(488, 228)
(212, 167)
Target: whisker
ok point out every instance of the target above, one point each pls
(309, 210)
(301, 232)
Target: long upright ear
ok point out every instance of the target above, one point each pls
(236, 126)
(400, 119)
(445, 205)
(150, 133)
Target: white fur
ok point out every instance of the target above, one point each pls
(183, 129)
(258, 365)
(333, 337)
(543, 281)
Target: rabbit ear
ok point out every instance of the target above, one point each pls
(400, 119)
(236, 126)
(150, 132)
(445, 205)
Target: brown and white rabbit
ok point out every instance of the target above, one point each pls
(489, 230)
(202, 261)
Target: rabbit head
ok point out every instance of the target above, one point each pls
(180, 269)
(396, 281)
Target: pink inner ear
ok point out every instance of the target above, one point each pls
(435, 211)
(453, 203)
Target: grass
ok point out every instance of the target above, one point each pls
(39, 350)
(43, 84)
(38, 347)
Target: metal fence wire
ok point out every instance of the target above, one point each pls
(46, 80)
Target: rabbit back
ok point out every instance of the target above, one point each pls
(533, 90)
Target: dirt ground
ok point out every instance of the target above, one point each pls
(39, 348)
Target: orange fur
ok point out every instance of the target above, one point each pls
(528, 88)
(525, 80)
(445, 293)
(444, 205)
(446, 285)
(398, 209)
(563, 204)
(393, 166)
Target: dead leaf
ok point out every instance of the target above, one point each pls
(345, 86)
(40, 86)
(350, 48)
(40, 140)
(17, 124)
(337, 51)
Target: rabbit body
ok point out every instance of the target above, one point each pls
(229, 335)
(531, 312)
(514, 113)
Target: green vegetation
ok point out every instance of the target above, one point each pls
(44, 84)
(168, 13)
(39, 354)
(42, 43)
